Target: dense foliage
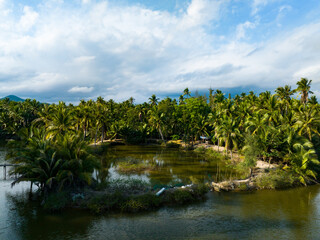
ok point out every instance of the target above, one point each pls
(284, 129)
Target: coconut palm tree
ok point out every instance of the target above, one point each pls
(307, 122)
(285, 93)
(304, 86)
(156, 119)
(230, 133)
(153, 100)
(61, 121)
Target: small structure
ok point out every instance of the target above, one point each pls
(205, 138)
(5, 165)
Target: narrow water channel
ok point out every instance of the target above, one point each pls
(288, 214)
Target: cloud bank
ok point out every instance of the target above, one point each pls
(67, 51)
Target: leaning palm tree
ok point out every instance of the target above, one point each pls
(304, 89)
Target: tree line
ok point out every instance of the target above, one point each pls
(283, 129)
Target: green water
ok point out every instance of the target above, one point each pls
(170, 165)
(289, 214)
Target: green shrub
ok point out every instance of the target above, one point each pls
(106, 202)
(243, 187)
(141, 203)
(182, 196)
(200, 190)
(210, 153)
(128, 185)
(175, 137)
(200, 150)
(132, 205)
(277, 179)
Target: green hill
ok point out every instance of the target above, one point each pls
(14, 98)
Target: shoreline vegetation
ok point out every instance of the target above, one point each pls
(273, 139)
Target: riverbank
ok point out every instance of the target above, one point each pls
(263, 176)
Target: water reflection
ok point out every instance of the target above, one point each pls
(169, 165)
(289, 214)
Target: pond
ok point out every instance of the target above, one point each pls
(164, 166)
(288, 214)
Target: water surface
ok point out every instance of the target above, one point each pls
(170, 165)
(288, 214)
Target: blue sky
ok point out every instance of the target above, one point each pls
(70, 50)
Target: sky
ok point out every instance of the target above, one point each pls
(81, 49)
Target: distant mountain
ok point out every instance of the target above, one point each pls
(14, 98)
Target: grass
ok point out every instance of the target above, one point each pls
(147, 201)
(134, 166)
(277, 179)
(129, 186)
(210, 153)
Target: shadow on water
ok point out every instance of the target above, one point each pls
(240, 216)
(32, 222)
(288, 214)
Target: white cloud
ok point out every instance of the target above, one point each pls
(34, 84)
(283, 10)
(123, 51)
(258, 4)
(28, 19)
(202, 12)
(312, 72)
(241, 29)
(84, 59)
(78, 89)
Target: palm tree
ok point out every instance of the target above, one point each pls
(307, 122)
(186, 92)
(313, 101)
(52, 164)
(153, 100)
(284, 93)
(61, 121)
(77, 163)
(304, 86)
(256, 124)
(156, 120)
(230, 133)
(304, 161)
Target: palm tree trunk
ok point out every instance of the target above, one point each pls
(161, 134)
(102, 134)
(30, 192)
(95, 137)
